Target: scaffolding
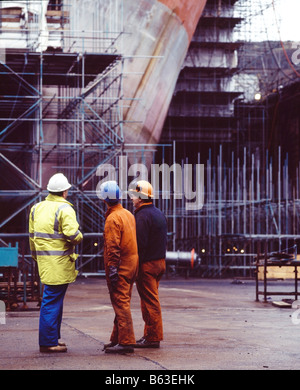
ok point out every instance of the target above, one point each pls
(60, 110)
(231, 112)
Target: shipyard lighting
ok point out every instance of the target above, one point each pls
(257, 96)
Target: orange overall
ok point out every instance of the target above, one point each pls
(147, 285)
(151, 228)
(120, 251)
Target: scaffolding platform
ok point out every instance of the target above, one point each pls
(53, 67)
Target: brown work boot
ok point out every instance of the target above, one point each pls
(55, 348)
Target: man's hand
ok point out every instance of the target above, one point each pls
(113, 276)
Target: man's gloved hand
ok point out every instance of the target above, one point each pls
(113, 276)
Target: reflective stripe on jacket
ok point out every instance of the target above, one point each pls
(53, 233)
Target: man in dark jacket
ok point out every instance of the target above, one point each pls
(151, 229)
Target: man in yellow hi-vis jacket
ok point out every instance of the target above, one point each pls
(53, 234)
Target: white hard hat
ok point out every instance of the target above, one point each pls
(58, 183)
(110, 191)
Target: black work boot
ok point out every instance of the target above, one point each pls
(108, 345)
(144, 343)
(119, 348)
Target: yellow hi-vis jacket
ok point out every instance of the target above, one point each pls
(53, 233)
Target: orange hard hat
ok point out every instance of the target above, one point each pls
(142, 189)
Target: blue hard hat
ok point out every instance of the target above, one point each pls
(110, 191)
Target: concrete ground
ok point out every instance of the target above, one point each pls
(208, 325)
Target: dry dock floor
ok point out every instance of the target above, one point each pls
(208, 325)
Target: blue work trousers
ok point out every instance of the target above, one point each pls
(51, 314)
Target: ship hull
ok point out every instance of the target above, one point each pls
(155, 38)
(158, 34)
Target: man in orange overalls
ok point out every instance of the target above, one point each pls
(151, 228)
(121, 266)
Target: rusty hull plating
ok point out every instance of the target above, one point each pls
(157, 40)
